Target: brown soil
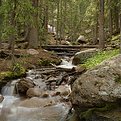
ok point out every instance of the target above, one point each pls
(43, 58)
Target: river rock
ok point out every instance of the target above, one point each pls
(34, 92)
(99, 86)
(63, 90)
(24, 84)
(81, 40)
(81, 56)
(80, 68)
(48, 113)
(35, 102)
(1, 98)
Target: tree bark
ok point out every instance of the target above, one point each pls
(95, 27)
(13, 25)
(95, 32)
(116, 18)
(58, 21)
(110, 22)
(33, 30)
(110, 25)
(0, 26)
(101, 25)
(46, 21)
(120, 32)
(61, 24)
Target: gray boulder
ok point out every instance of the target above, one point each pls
(36, 92)
(81, 40)
(81, 56)
(99, 87)
(102, 83)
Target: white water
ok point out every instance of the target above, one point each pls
(66, 63)
(9, 88)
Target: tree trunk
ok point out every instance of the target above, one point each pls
(46, 21)
(101, 25)
(61, 19)
(33, 30)
(120, 32)
(12, 34)
(64, 19)
(58, 21)
(33, 37)
(95, 28)
(116, 18)
(0, 25)
(95, 31)
(13, 25)
(110, 24)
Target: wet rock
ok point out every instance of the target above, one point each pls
(45, 94)
(80, 57)
(63, 90)
(34, 92)
(23, 85)
(80, 69)
(49, 113)
(1, 98)
(37, 102)
(99, 87)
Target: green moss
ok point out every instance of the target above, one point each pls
(108, 107)
(99, 57)
(5, 74)
(48, 62)
(44, 62)
(115, 37)
(87, 114)
(16, 71)
(118, 78)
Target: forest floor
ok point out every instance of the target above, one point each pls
(27, 58)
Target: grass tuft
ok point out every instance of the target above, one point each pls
(99, 57)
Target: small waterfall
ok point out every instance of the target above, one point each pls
(8, 105)
(9, 89)
(66, 63)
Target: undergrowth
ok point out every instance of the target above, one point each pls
(99, 57)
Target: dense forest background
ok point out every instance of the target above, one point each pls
(30, 21)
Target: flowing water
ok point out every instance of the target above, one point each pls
(66, 63)
(15, 108)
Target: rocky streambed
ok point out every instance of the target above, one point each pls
(65, 93)
(42, 96)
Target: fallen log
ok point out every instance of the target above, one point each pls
(70, 46)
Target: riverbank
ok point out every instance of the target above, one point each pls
(46, 92)
(24, 59)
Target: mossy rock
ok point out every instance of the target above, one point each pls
(16, 72)
(47, 62)
(72, 117)
(44, 62)
(92, 111)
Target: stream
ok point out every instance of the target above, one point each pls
(54, 107)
